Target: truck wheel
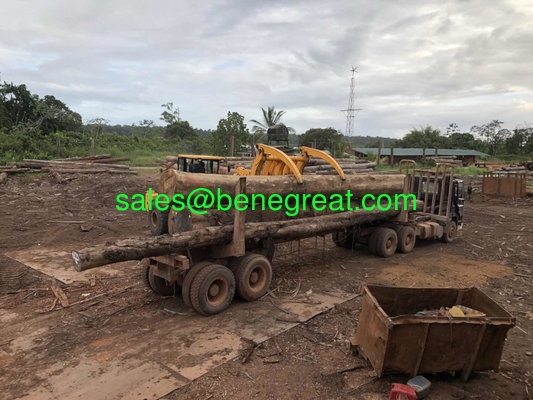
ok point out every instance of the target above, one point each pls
(343, 239)
(386, 242)
(212, 289)
(234, 262)
(187, 282)
(406, 239)
(158, 285)
(253, 275)
(450, 232)
(158, 222)
(372, 241)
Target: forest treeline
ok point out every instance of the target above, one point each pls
(31, 127)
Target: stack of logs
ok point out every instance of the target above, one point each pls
(190, 230)
(350, 166)
(80, 165)
(167, 162)
(99, 164)
(444, 160)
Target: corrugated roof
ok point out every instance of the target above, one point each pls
(385, 151)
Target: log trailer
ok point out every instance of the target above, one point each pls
(209, 258)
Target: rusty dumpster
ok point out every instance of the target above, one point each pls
(394, 339)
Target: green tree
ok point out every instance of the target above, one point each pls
(458, 140)
(424, 137)
(171, 113)
(19, 106)
(181, 130)
(145, 125)
(520, 142)
(322, 137)
(234, 126)
(339, 148)
(271, 117)
(53, 115)
(95, 127)
(493, 133)
(18, 103)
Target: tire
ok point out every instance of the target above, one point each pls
(212, 289)
(406, 239)
(145, 263)
(158, 222)
(450, 232)
(386, 242)
(372, 241)
(157, 284)
(187, 282)
(234, 262)
(343, 239)
(253, 275)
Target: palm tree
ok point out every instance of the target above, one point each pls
(270, 117)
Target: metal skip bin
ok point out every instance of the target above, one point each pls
(394, 339)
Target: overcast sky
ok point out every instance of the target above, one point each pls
(419, 62)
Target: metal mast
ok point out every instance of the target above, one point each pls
(351, 112)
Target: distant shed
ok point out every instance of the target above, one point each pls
(416, 154)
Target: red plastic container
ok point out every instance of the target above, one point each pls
(402, 392)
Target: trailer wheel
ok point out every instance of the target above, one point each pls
(158, 222)
(212, 289)
(406, 239)
(253, 275)
(158, 285)
(343, 239)
(450, 232)
(386, 242)
(234, 262)
(372, 240)
(187, 282)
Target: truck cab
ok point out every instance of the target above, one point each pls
(199, 164)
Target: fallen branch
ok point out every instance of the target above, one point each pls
(59, 293)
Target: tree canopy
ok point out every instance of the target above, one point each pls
(19, 106)
(234, 126)
(181, 130)
(321, 138)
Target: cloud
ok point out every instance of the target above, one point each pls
(419, 62)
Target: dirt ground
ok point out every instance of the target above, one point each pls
(494, 252)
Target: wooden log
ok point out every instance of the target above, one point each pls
(67, 164)
(83, 158)
(90, 171)
(109, 160)
(319, 161)
(255, 213)
(137, 249)
(445, 161)
(442, 156)
(14, 170)
(172, 181)
(329, 167)
(346, 171)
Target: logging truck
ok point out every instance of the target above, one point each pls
(211, 257)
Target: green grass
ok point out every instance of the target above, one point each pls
(470, 170)
(139, 157)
